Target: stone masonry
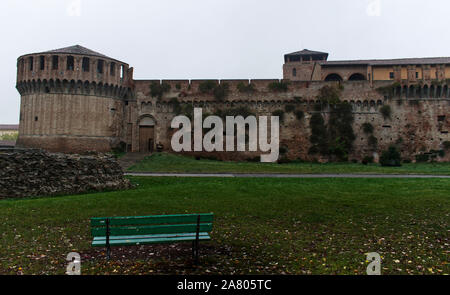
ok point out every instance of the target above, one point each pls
(28, 173)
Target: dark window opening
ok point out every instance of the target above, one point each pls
(36, 119)
(441, 118)
(100, 66)
(85, 64)
(316, 58)
(31, 63)
(417, 75)
(42, 62)
(70, 63)
(333, 77)
(113, 69)
(294, 72)
(391, 75)
(55, 61)
(357, 77)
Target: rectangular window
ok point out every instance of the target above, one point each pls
(31, 61)
(391, 75)
(100, 66)
(42, 62)
(113, 69)
(55, 61)
(85, 64)
(417, 75)
(70, 63)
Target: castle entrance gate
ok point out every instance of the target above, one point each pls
(147, 135)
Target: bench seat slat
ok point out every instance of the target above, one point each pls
(151, 229)
(103, 238)
(148, 240)
(155, 219)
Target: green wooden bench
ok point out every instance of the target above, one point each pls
(156, 229)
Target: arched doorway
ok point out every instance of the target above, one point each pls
(357, 77)
(333, 77)
(147, 134)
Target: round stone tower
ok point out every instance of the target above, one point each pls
(72, 100)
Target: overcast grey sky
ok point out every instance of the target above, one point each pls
(220, 39)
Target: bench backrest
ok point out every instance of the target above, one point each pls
(156, 224)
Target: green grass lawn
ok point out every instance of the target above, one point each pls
(262, 226)
(163, 162)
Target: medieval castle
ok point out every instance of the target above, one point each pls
(74, 100)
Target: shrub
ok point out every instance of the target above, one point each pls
(221, 91)
(299, 115)
(373, 142)
(243, 88)
(278, 86)
(283, 150)
(289, 108)
(340, 130)
(158, 89)
(175, 104)
(318, 138)
(284, 160)
(329, 94)
(446, 145)
(367, 128)
(279, 113)
(391, 158)
(207, 86)
(367, 159)
(422, 158)
(386, 111)
(187, 110)
(254, 159)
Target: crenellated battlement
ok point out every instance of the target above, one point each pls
(74, 88)
(74, 63)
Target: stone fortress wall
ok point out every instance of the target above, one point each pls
(88, 101)
(419, 115)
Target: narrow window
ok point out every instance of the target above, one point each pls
(42, 62)
(417, 75)
(294, 72)
(100, 66)
(391, 75)
(113, 69)
(70, 63)
(85, 64)
(31, 63)
(55, 61)
(121, 72)
(36, 119)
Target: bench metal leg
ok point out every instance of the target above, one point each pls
(197, 240)
(108, 247)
